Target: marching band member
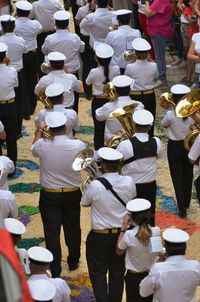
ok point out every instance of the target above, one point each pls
(96, 25)
(55, 95)
(181, 170)
(8, 205)
(6, 167)
(39, 263)
(122, 85)
(8, 113)
(140, 154)
(125, 34)
(43, 11)
(42, 290)
(16, 229)
(67, 43)
(16, 49)
(135, 244)
(60, 194)
(57, 74)
(175, 279)
(107, 197)
(98, 77)
(28, 30)
(144, 74)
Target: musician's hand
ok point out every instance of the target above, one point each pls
(42, 125)
(3, 135)
(126, 221)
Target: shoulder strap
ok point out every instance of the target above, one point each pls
(108, 186)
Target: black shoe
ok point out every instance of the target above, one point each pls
(73, 267)
(182, 215)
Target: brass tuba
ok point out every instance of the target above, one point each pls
(166, 101)
(42, 97)
(189, 105)
(124, 116)
(109, 91)
(84, 160)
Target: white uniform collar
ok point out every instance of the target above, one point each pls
(39, 276)
(176, 258)
(124, 26)
(101, 11)
(57, 71)
(110, 174)
(124, 97)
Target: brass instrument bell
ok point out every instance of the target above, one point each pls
(129, 56)
(109, 91)
(166, 101)
(124, 116)
(84, 160)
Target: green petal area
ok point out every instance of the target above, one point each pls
(27, 243)
(30, 210)
(89, 130)
(25, 187)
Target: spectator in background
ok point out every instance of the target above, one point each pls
(6, 7)
(186, 13)
(194, 56)
(159, 27)
(2, 135)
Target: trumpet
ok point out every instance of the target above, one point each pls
(189, 105)
(109, 91)
(166, 101)
(124, 116)
(129, 56)
(84, 160)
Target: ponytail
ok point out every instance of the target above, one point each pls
(105, 63)
(142, 220)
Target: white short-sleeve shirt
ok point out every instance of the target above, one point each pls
(106, 209)
(141, 170)
(8, 167)
(177, 128)
(8, 205)
(138, 257)
(196, 40)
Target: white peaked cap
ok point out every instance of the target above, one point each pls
(104, 51)
(3, 47)
(121, 12)
(54, 89)
(14, 226)
(109, 154)
(42, 289)
(56, 56)
(40, 254)
(6, 18)
(122, 81)
(175, 236)
(143, 117)
(55, 119)
(61, 15)
(138, 205)
(141, 44)
(24, 5)
(180, 89)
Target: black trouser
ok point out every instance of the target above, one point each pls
(29, 82)
(149, 102)
(132, 287)
(40, 56)
(19, 102)
(74, 12)
(88, 63)
(8, 116)
(181, 173)
(136, 18)
(61, 209)
(102, 258)
(99, 126)
(148, 191)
